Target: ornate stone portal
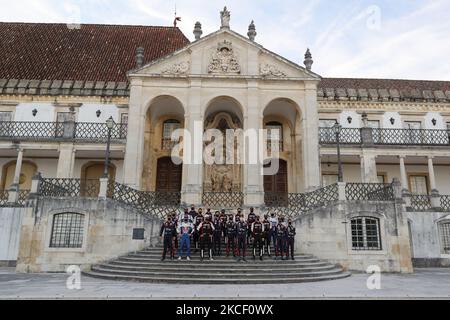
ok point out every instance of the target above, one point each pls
(223, 177)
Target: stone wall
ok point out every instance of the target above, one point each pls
(10, 222)
(108, 234)
(326, 233)
(426, 246)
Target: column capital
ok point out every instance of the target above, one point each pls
(402, 157)
(430, 157)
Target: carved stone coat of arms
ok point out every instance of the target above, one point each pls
(224, 60)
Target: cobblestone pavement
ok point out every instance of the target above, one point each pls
(424, 283)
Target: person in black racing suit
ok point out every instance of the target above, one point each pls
(290, 240)
(241, 237)
(250, 219)
(257, 229)
(266, 236)
(230, 227)
(167, 233)
(281, 234)
(206, 229)
(217, 235)
(196, 235)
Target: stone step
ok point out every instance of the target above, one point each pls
(216, 260)
(237, 276)
(197, 255)
(190, 280)
(208, 264)
(243, 268)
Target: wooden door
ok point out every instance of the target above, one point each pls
(169, 175)
(279, 182)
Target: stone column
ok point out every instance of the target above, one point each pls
(403, 176)
(18, 169)
(253, 168)
(134, 151)
(369, 168)
(66, 161)
(435, 197)
(310, 152)
(192, 182)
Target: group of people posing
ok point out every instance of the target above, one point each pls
(210, 232)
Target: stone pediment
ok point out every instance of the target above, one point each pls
(226, 53)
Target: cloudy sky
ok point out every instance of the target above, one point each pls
(348, 38)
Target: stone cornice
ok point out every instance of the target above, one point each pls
(374, 106)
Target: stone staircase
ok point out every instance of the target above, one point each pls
(145, 266)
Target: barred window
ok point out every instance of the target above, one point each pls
(444, 232)
(169, 127)
(274, 132)
(366, 233)
(67, 230)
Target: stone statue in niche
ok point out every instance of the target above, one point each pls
(227, 184)
(224, 59)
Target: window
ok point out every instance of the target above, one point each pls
(329, 179)
(418, 184)
(67, 230)
(381, 178)
(444, 233)
(413, 135)
(366, 233)
(169, 127)
(124, 118)
(6, 128)
(274, 132)
(376, 134)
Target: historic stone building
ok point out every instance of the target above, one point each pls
(58, 86)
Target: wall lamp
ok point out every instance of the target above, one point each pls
(34, 112)
(98, 113)
(392, 120)
(349, 119)
(434, 121)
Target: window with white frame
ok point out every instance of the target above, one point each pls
(365, 233)
(169, 127)
(67, 230)
(444, 234)
(274, 132)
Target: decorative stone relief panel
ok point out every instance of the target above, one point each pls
(269, 70)
(224, 60)
(177, 68)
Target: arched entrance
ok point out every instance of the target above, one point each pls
(27, 172)
(168, 176)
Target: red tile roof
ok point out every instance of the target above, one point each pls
(92, 53)
(384, 84)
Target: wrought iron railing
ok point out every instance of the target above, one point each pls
(71, 131)
(4, 194)
(369, 191)
(294, 204)
(411, 137)
(59, 187)
(445, 202)
(420, 202)
(22, 198)
(346, 136)
(151, 204)
(223, 200)
(384, 136)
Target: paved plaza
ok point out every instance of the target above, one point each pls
(424, 283)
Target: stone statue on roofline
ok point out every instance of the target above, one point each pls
(225, 18)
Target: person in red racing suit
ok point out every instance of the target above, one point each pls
(206, 229)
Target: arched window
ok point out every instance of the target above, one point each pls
(169, 126)
(366, 233)
(67, 230)
(444, 234)
(274, 132)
